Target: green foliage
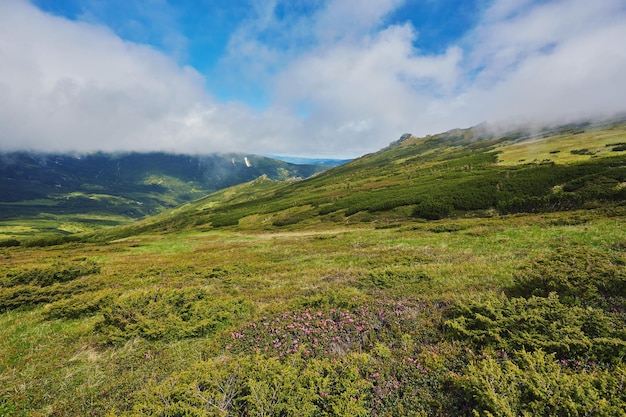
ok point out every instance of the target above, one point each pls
(539, 323)
(535, 384)
(581, 276)
(22, 288)
(78, 306)
(337, 316)
(431, 209)
(7, 243)
(593, 187)
(224, 220)
(26, 296)
(337, 298)
(50, 240)
(583, 151)
(170, 314)
(55, 273)
(447, 228)
(394, 277)
(257, 385)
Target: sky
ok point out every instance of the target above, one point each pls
(311, 78)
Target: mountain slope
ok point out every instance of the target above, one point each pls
(122, 187)
(261, 299)
(465, 172)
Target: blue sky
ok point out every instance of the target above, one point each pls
(197, 32)
(332, 78)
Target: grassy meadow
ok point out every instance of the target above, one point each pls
(441, 276)
(145, 317)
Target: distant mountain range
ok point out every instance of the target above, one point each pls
(459, 173)
(130, 185)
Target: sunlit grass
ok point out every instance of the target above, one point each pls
(559, 148)
(67, 366)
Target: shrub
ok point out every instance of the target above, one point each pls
(257, 385)
(11, 242)
(170, 314)
(224, 220)
(27, 296)
(431, 209)
(59, 272)
(51, 240)
(580, 276)
(536, 384)
(78, 306)
(393, 277)
(593, 187)
(538, 323)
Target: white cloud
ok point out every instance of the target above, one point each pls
(561, 59)
(68, 85)
(342, 81)
(367, 90)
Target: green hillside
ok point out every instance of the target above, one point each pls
(458, 174)
(460, 274)
(65, 194)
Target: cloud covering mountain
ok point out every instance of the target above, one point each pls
(321, 78)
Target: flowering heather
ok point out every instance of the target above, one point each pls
(318, 332)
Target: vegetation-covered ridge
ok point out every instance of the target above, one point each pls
(456, 174)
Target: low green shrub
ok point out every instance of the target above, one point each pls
(393, 277)
(170, 314)
(539, 323)
(593, 187)
(337, 298)
(28, 296)
(45, 241)
(535, 384)
(55, 273)
(257, 385)
(447, 228)
(581, 276)
(7, 243)
(81, 305)
(433, 209)
(224, 220)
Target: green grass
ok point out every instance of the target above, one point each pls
(68, 366)
(559, 148)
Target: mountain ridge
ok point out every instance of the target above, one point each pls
(460, 173)
(124, 186)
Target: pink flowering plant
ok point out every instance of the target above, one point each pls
(319, 333)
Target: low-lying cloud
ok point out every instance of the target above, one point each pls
(335, 89)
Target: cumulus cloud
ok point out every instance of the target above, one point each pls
(68, 85)
(340, 79)
(560, 59)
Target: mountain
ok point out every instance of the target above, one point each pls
(460, 173)
(116, 188)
